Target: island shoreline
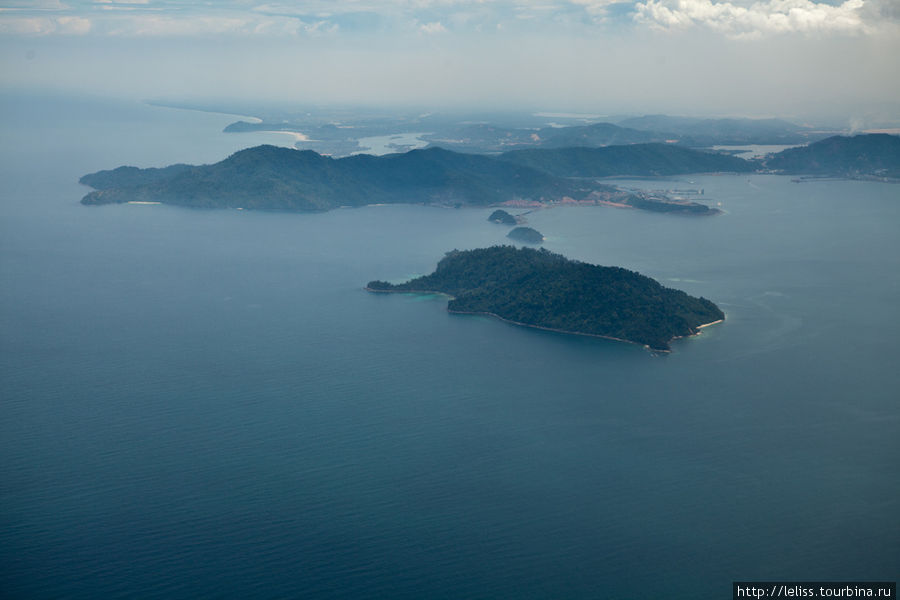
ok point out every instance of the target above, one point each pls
(544, 328)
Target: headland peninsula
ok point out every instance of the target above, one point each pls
(277, 178)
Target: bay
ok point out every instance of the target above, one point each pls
(207, 403)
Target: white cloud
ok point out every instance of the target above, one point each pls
(432, 28)
(131, 19)
(35, 5)
(26, 26)
(754, 20)
(149, 25)
(64, 25)
(570, 18)
(594, 7)
(73, 25)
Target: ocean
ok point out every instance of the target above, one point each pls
(207, 404)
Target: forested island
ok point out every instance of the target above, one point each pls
(271, 177)
(527, 235)
(867, 155)
(644, 160)
(541, 289)
(276, 178)
(501, 217)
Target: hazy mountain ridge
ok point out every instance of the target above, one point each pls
(635, 159)
(873, 154)
(455, 133)
(270, 177)
(728, 131)
(488, 138)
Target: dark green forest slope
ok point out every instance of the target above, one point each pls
(543, 289)
(635, 159)
(270, 177)
(875, 154)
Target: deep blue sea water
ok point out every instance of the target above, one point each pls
(207, 404)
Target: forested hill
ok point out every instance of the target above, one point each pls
(597, 134)
(132, 177)
(543, 289)
(875, 154)
(635, 159)
(729, 132)
(271, 177)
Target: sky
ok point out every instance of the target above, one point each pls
(785, 58)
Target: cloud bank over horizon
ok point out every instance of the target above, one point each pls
(764, 57)
(165, 18)
(757, 19)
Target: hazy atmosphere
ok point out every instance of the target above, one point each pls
(786, 58)
(449, 299)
